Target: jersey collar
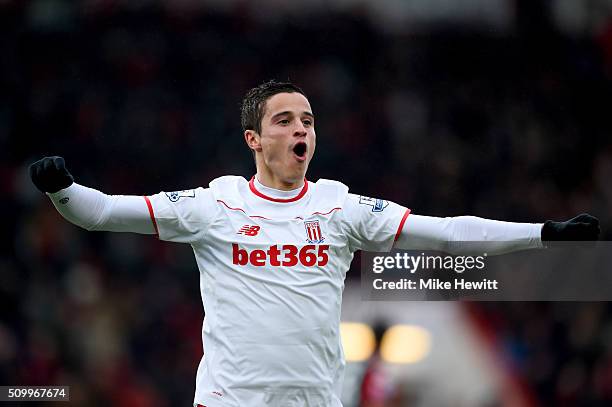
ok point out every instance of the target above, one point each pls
(260, 194)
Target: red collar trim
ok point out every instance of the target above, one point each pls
(269, 198)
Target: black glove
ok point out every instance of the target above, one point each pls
(50, 174)
(579, 228)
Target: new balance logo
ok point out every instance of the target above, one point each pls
(249, 230)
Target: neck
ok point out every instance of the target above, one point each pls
(270, 180)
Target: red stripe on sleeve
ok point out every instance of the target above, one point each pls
(401, 225)
(152, 214)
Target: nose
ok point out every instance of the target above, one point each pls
(300, 130)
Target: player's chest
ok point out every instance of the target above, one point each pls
(288, 241)
(259, 230)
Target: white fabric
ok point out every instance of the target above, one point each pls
(451, 234)
(94, 210)
(271, 333)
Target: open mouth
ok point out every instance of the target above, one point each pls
(299, 149)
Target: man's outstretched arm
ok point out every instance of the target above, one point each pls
(497, 237)
(87, 207)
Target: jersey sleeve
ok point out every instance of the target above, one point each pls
(372, 224)
(182, 216)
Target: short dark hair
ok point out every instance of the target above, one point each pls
(254, 102)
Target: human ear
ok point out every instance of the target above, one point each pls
(253, 140)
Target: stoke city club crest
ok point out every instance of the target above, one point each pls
(313, 232)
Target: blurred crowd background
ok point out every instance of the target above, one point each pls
(499, 109)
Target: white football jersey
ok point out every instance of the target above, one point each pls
(272, 267)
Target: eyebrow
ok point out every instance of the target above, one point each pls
(286, 112)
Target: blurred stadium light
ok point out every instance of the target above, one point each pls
(434, 352)
(358, 341)
(405, 344)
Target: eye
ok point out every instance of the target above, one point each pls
(284, 121)
(307, 122)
